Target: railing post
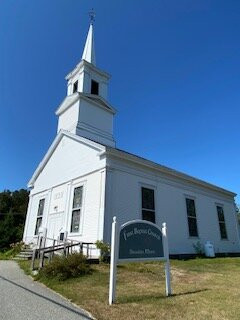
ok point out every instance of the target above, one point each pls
(65, 248)
(33, 259)
(41, 261)
(52, 253)
(39, 246)
(38, 240)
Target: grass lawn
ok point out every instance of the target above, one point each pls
(202, 289)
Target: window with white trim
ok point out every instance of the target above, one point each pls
(192, 218)
(222, 224)
(148, 205)
(76, 209)
(39, 215)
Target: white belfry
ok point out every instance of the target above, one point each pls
(89, 49)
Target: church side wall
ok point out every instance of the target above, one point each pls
(124, 184)
(71, 165)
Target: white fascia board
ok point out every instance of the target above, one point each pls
(163, 169)
(90, 66)
(92, 144)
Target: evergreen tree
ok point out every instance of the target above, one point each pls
(13, 209)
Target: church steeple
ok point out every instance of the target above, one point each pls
(89, 49)
(85, 111)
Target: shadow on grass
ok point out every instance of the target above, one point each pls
(189, 292)
(155, 297)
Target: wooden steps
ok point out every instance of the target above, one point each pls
(25, 254)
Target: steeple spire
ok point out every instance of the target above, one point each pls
(89, 49)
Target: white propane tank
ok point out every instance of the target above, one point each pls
(209, 249)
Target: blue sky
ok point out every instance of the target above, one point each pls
(175, 69)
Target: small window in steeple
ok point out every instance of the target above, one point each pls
(75, 86)
(94, 87)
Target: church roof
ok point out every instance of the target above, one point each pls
(121, 154)
(124, 155)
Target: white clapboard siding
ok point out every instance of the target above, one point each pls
(125, 203)
(72, 164)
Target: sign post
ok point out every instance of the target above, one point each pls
(138, 240)
(113, 263)
(167, 262)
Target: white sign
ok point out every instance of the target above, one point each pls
(138, 240)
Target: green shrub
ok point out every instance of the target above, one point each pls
(198, 247)
(104, 249)
(63, 268)
(15, 249)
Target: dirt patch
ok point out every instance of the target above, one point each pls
(180, 275)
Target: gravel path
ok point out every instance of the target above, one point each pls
(21, 298)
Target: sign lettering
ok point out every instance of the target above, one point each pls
(140, 240)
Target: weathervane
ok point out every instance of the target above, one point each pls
(92, 15)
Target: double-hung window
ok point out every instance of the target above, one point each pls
(192, 218)
(222, 224)
(39, 215)
(148, 205)
(76, 209)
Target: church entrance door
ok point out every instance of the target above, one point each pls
(54, 226)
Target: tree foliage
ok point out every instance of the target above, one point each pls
(13, 209)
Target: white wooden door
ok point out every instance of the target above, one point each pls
(54, 226)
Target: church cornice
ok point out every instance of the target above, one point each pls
(91, 98)
(87, 65)
(123, 155)
(67, 102)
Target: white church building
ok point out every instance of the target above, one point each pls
(84, 180)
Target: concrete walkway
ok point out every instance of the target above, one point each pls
(21, 298)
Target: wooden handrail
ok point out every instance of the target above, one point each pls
(65, 246)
